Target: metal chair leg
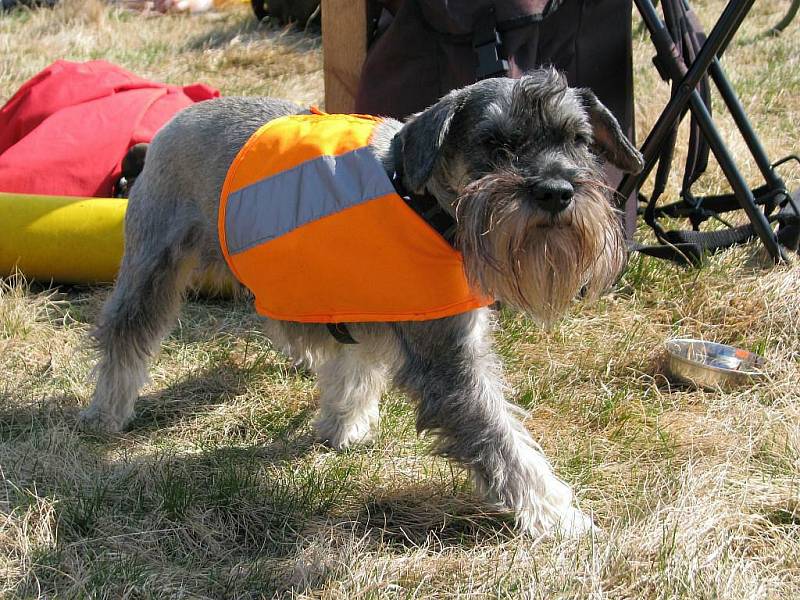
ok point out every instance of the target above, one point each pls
(687, 98)
(787, 18)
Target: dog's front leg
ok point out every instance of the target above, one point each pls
(351, 383)
(451, 370)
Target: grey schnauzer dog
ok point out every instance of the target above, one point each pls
(516, 163)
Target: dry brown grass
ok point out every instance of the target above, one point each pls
(218, 489)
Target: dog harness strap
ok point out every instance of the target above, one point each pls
(341, 333)
(310, 222)
(429, 209)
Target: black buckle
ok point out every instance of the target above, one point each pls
(487, 44)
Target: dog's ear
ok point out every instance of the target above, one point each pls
(422, 137)
(609, 140)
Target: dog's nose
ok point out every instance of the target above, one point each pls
(552, 195)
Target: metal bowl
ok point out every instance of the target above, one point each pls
(713, 366)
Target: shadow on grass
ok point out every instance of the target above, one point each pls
(137, 515)
(192, 394)
(415, 519)
(19, 422)
(243, 518)
(423, 516)
(182, 401)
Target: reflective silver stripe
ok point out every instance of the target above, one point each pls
(314, 189)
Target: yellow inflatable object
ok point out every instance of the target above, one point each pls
(63, 239)
(67, 239)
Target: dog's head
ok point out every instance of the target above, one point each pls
(519, 165)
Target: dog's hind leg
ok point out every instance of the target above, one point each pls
(453, 374)
(162, 250)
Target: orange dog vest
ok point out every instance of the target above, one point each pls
(311, 224)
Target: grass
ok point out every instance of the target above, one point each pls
(218, 490)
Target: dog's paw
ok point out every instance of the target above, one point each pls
(97, 420)
(575, 524)
(340, 434)
(570, 524)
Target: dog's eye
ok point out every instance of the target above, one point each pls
(502, 151)
(582, 139)
(504, 148)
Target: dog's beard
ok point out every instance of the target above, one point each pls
(529, 259)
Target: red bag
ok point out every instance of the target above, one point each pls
(66, 130)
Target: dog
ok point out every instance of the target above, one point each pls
(518, 166)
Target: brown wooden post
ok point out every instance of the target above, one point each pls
(344, 48)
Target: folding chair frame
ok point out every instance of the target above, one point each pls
(687, 98)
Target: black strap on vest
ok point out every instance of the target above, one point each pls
(340, 333)
(429, 210)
